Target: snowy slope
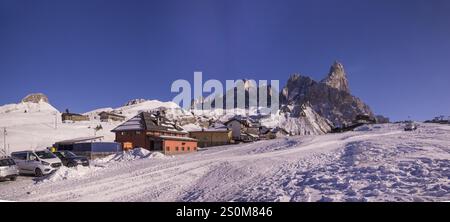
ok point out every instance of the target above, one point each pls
(148, 105)
(28, 107)
(376, 163)
(41, 126)
(37, 130)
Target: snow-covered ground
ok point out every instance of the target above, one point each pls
(39, 125)
(375, 163)
(38, 130)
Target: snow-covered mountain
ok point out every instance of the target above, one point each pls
(329, 98)
(135, 106)
(33, 123)
(248, 87)
(32, 103)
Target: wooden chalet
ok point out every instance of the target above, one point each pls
(243, 128)
(212, 137)
(75, 117)
(110, 116)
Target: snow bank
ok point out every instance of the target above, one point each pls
(65, 173)
(134, 154)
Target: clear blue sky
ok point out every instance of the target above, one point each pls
(86, 54)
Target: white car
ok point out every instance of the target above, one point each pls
(8, 169)
(38, 163)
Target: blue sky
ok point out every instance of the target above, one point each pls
(86, 54)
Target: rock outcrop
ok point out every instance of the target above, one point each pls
(248, 87)
(134, 102)
(330, 98)
(35, 98)
(337, 78)
(32, 103)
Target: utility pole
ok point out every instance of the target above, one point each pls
(4, 138)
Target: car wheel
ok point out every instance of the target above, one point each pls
(70, 165)
(13, 178)
(38, 173)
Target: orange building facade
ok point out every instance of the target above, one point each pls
(154, 134)
(179, 146)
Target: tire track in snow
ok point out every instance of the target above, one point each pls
(178, 174)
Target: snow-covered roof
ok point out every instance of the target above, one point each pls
(148, 121)
(218, 130)
(133, 124)
(246, 121)
(111, 114)
(80, 139)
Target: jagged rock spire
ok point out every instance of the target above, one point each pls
(337, 78)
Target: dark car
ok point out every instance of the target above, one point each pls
(70, 159)
(410, 126)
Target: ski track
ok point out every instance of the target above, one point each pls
(381, 163)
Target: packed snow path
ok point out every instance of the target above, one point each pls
(376, 163)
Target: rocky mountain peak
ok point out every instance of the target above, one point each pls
(35, 98)
(134, 102)
(330, 98)
(294, 77)
(337, 78)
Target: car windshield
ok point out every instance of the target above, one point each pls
(45, 155)
(58, 154)
(66, 154)
(69, 154)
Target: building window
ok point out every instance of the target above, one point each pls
(168, 148)
(176, 148)
(122, 133)
(182, 148)
(127, 145)
(189, 149)
(138, 132)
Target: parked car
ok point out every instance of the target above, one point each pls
(70, 159)
(410, 126)
(38, 163)
(8, 169)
